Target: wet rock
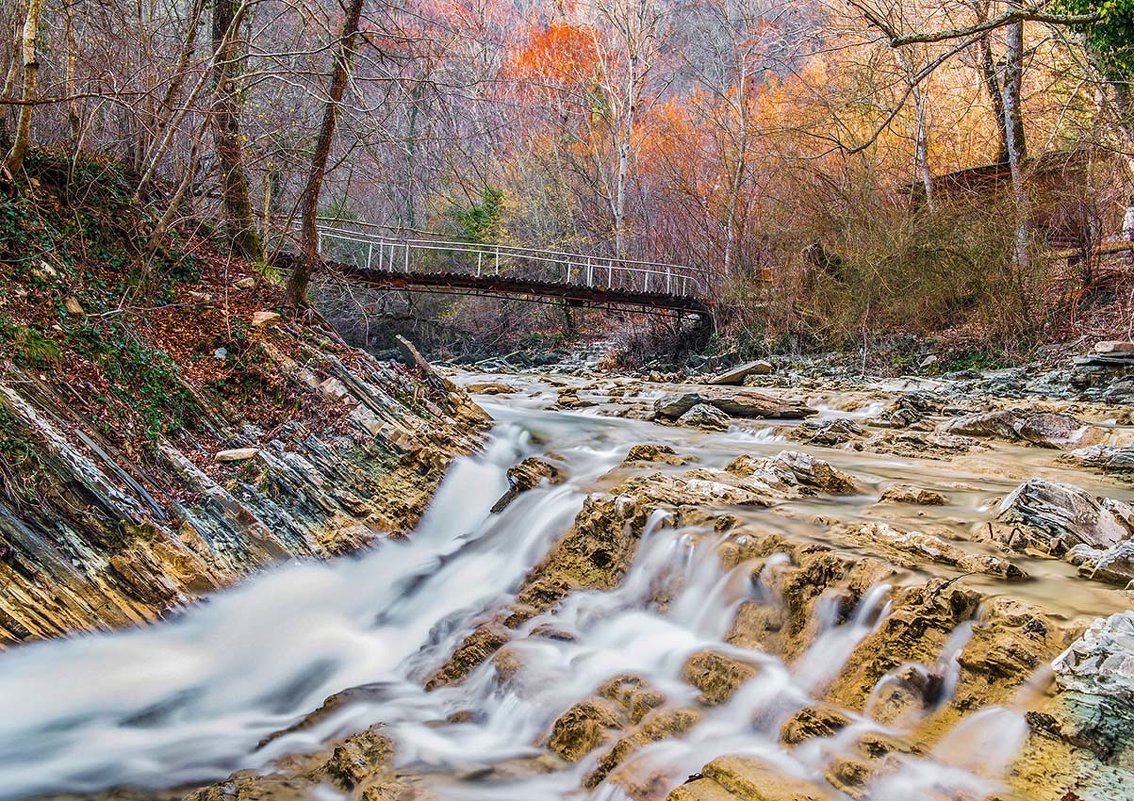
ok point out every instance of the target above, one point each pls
(1053, 518)
(672, 407)
(750, 778)
(717, 676)
(1101, 661)
(911, 408)
(907, 493)
(919, 445)
(754, 404)
(1045, 429)
(828, 433)
(583, 728)
(643, 455)
(526, 475)
(1095, 704)
(743, 403)
(658, 725)
(999, 424)
(816, 473)
(1106, 458)
(360, 764)
(568, 399)
(473, 651)
(1008, 644)
(905, 693)
(632, 695)
(1114, 565)
(736, 375)
(820, 720)
(705, 417)
(491, 388)
(914, 548)
(920, 621)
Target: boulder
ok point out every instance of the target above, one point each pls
(73, 307)
(1107, 458)
(1045, 429)
(1101, 662)
(911, 408)
(705, 417)
(245, 283)
(649, 453)
(998, 424)
(1114, 565)
(828, 433)
(262, 319)
(672, 407)
(741, 403)
(746, 403)
(736, 375)
(236, 454)
(812, 472)
(1058, 431)
(1055, 517)
(908, 493)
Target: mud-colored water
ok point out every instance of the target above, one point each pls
(189, 700)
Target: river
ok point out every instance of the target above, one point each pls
(193, 698)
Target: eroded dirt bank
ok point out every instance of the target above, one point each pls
(890, 592)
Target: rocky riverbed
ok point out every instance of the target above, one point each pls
(792, 589)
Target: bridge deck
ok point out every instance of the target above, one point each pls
(526, 273)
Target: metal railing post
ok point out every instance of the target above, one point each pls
(648, 273)
(479, 258)
(498, 260)
(609, 274)
(668, 279)
(568, 271)
(405, 268)
(369, 254)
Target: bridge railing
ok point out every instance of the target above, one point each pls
(435, 256)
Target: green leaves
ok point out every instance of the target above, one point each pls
(1111, 38)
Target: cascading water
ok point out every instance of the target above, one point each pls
(191, 699)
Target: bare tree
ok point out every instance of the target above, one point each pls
(344, 55)
(240, 215)
(14, 161)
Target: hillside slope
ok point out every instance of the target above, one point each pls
(163, 432)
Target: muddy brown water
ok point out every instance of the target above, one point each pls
(188, 701)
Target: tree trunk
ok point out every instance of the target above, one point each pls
(301, 276)
(1017, 147)
(240, 216)
(14, 161)
(992, 86)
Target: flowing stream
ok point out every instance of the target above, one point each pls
(191, 699)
